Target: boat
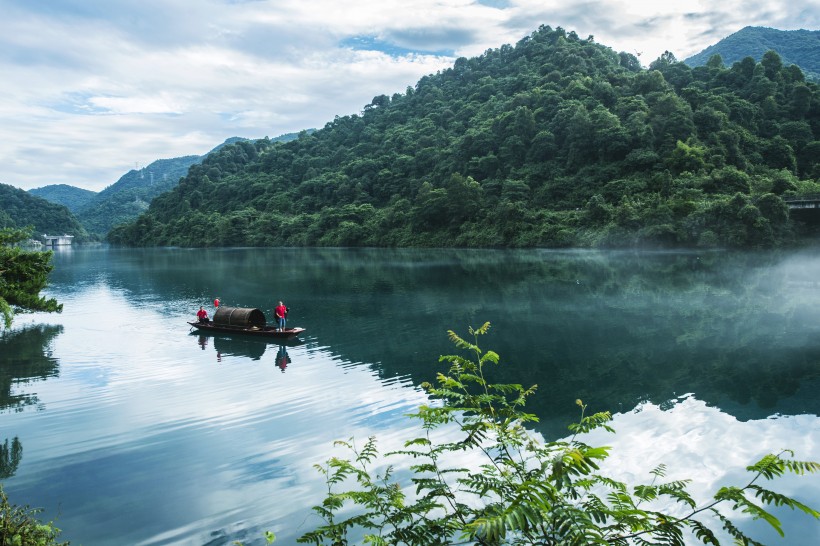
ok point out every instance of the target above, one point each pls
(245, 321)
(267, 331)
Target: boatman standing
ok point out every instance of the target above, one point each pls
(281, 313)
(216, 303)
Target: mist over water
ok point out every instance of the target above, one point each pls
(136, 431)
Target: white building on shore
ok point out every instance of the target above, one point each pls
(57, 240)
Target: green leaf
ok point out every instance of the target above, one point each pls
(771, 497)
(514, 488)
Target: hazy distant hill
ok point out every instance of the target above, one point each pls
(72, 197)
(18, 208)
(132, 193)
(800, 47)
(129, 196)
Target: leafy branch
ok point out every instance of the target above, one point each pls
(526, 491)
(19, 525)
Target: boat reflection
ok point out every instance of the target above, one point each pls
(239, 347)
(244, 347)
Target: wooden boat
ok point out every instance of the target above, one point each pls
(245, 321)
(265, 331)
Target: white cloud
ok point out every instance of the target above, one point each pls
(712, 449)
(89, 89)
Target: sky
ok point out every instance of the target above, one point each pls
(90, 89)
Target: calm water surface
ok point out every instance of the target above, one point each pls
(132, 430)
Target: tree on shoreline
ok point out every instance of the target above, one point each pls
(23, 274)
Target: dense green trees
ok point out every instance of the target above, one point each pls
(74, 199)
(20, 209)
(130, 195)
(23, 274)
(19, 526)
(509, 148)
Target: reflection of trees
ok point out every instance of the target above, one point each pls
(725, 329)
(737, 330)
(25, 357)
(10, 457)
(612, 329)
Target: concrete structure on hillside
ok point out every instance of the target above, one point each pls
(57, 240)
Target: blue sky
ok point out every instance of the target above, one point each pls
(92, 88)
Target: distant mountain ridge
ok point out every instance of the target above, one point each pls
(799, 47)
(62, 194)
(129, 196)
(132, 193)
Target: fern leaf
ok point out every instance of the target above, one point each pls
(703, 533)
(770, 497)
(480, 331)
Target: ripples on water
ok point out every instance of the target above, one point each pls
(144, 433)
(148, 436)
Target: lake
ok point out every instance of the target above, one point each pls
(133, 430)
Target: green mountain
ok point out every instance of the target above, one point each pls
(63, 194)
(800, 47)
(556, 142)
(129, 196)
(18, 208)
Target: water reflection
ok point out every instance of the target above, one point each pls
(10, 456)
(711, 448)
(212, 449)
(741, 331)
(248, 348)
(282, 358)
(245, 347)
(25, 357)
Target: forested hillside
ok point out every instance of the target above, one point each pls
(71, 197)
(557, 141)
(19, 209)
(800, 47)
(129, 196)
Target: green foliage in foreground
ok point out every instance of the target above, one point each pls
(23, 274)
(19, 526)
(526, 491)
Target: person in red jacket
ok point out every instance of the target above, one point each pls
(281, 313)
(202, 314)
